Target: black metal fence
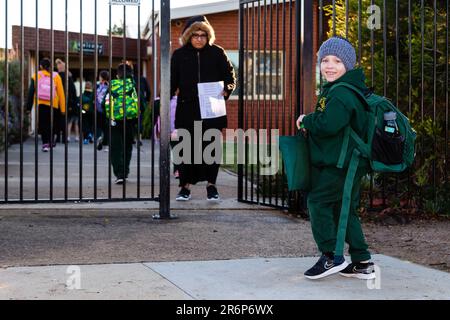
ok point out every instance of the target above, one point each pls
(72, 171)
(403, 48)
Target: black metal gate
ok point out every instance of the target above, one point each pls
(404, 49)
(78, 169)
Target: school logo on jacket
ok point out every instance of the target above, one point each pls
(322, 104)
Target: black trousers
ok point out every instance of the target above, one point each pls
(45, 122)
(191, 172)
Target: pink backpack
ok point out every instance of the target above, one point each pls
(44, 86)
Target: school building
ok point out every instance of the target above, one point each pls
(105, 51)
(277, 79)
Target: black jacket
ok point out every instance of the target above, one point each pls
(72, 104)
(190, 66)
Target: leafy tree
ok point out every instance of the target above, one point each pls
(14, 105)
(117, 30)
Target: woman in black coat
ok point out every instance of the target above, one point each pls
(199, 60)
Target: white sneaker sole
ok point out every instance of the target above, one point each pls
(213, 199)
(327, 273)
(183, 199)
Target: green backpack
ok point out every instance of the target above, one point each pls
(389, 148)
(116, 111)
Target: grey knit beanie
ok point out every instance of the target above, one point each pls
(341, 48)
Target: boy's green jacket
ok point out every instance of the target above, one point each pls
(335, 111)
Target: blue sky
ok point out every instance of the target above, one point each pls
(29, 14)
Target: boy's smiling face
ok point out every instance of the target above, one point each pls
(332, 68)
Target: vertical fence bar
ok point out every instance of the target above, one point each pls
(36, 111)
(110, 108)
(333, 17)
(139, 75)
(124, 131)
(292, 111)
(346, 18)
(247, 104)
(241, 94)
(6, 101)
(252, 90)
(164, 209)
(434, 94)
(258, 97)
(320, 32)
(359, 31)
(155, 94)
(286, 84)
(298, 59)
(52, 111)
(372, 71)
(81, 47)
(264, 97)
(422, 32)
(269, 128)
(397, 66)
(22, 98)
(446, 94)
(409, 84)
(372, 53)
(385, 31)
(68, 103)
(95, 98)
(397, 52)
(278, 85)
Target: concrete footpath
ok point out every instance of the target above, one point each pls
(254, 279)
(224, 250)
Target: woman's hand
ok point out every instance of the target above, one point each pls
(299, 120)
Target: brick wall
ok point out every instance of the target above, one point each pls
(60, 42)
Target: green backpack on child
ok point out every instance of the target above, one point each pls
(389, 147)
(116, 110)
(390, 140)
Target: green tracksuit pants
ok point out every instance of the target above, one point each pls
(324, 204)
(121, 144)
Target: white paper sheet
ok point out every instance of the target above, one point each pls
(212, 103)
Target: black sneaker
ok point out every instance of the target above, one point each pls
(100, 143)
(184, 194)
(324, 267)
(119, 181)
(212, 194)
(364, 271)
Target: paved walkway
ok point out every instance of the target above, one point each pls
(254, 279)
(46, 236)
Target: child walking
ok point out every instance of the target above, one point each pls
(337, 109)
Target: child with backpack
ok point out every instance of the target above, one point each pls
(338, 109)
(352, 131)
(40, 93)
(123, 119)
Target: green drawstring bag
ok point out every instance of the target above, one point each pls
(295, 154)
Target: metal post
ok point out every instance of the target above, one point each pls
(164, 158)
(241, 95)
(155, 94)
(307, 57)
(6, 101)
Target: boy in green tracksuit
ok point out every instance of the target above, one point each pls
(123, 120)
(337, 109)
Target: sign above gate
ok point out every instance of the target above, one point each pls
(125, 2)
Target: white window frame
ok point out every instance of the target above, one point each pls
(253, 95)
